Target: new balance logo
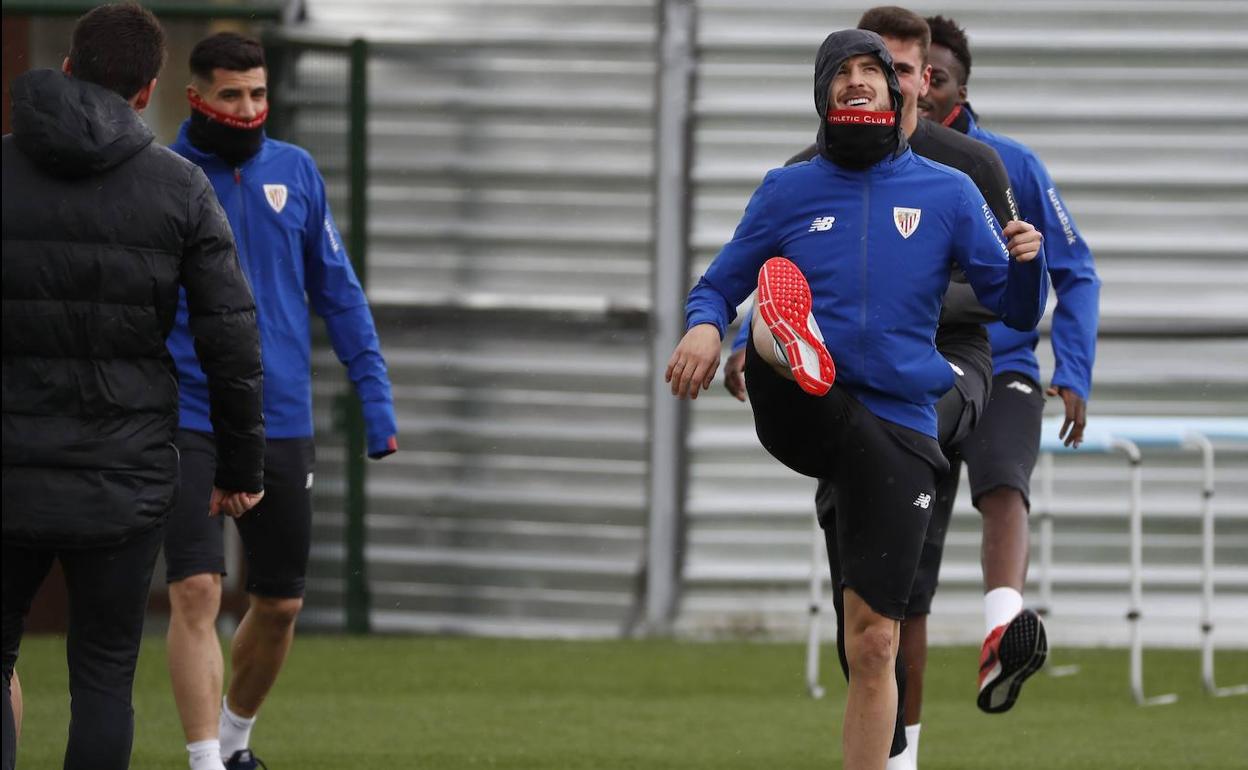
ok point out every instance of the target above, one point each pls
(821, 224)
(1020, 387)
(922, 501)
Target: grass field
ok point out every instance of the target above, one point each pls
(347, 702)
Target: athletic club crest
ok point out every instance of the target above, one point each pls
(276, 194)
(907, 220)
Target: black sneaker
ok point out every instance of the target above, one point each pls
(1011, 653)
(243, 759)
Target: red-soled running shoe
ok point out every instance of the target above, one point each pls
(1011, 653)
(784, 303)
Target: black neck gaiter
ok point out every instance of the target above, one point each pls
(858, 139)
(234, 141)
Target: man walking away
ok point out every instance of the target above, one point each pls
(101, 226)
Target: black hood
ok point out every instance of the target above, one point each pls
(840, 46)
(72, 128)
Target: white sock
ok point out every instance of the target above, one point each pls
(903, 761)
(1000, 607)
(205, 755)
(235, 731)
(912, 743)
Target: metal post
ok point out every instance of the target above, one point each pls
(357, 598)
(1206, 574)
(1047, 474)
(1046, 534)
(668, 417)
(818, 563)
(1135, 610)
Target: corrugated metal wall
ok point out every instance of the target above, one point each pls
(511, 229)
(510, 239)
(1137, 109)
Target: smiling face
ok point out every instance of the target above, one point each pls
(948, 87)
(860, 84)
(243, 95)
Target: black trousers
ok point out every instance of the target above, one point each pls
(108, 590)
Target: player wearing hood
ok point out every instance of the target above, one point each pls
(842, 372)
(960, 338)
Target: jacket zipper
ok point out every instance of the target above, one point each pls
(866, 222)
(241, 239)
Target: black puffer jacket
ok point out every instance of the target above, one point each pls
(101, 226)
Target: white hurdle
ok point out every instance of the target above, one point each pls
(1042, 512)
(1109, 434)
(1203, 441)
(818, 565)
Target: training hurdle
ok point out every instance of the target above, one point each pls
(1107, 435)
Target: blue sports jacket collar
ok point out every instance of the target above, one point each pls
(884, 168)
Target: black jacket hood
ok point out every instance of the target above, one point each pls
(72, 128)
(840, 46)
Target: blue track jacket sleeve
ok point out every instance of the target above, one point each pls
(336, 295)
(734, 272)
(1074, 279)
(1016, 291)
(738, 342)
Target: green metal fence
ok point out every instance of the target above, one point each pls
(319, 95)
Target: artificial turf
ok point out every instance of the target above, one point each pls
(387, 702)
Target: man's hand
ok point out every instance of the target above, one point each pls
(1076, 415)
(734, 374)
(1022, 240)
(232, 504)
(693, 364)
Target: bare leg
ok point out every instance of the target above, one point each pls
(15, 700)
(1006, 540)
(260, 646)
(195, 662)
(914, 653)
(871, 707)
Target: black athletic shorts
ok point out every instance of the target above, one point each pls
(1000, 452)
(276, 534)
(1003, 449)
(884, 474)
(958, 413)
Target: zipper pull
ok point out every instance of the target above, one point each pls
(238, 176)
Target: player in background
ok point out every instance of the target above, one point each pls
(293, 257)
(1001, 453)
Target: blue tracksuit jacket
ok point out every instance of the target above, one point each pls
(293, 257)
(1070, 267)
(877, 290)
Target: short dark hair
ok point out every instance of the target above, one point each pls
(946, 32)
(118, 46)
(227, 51)
(897, 22)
